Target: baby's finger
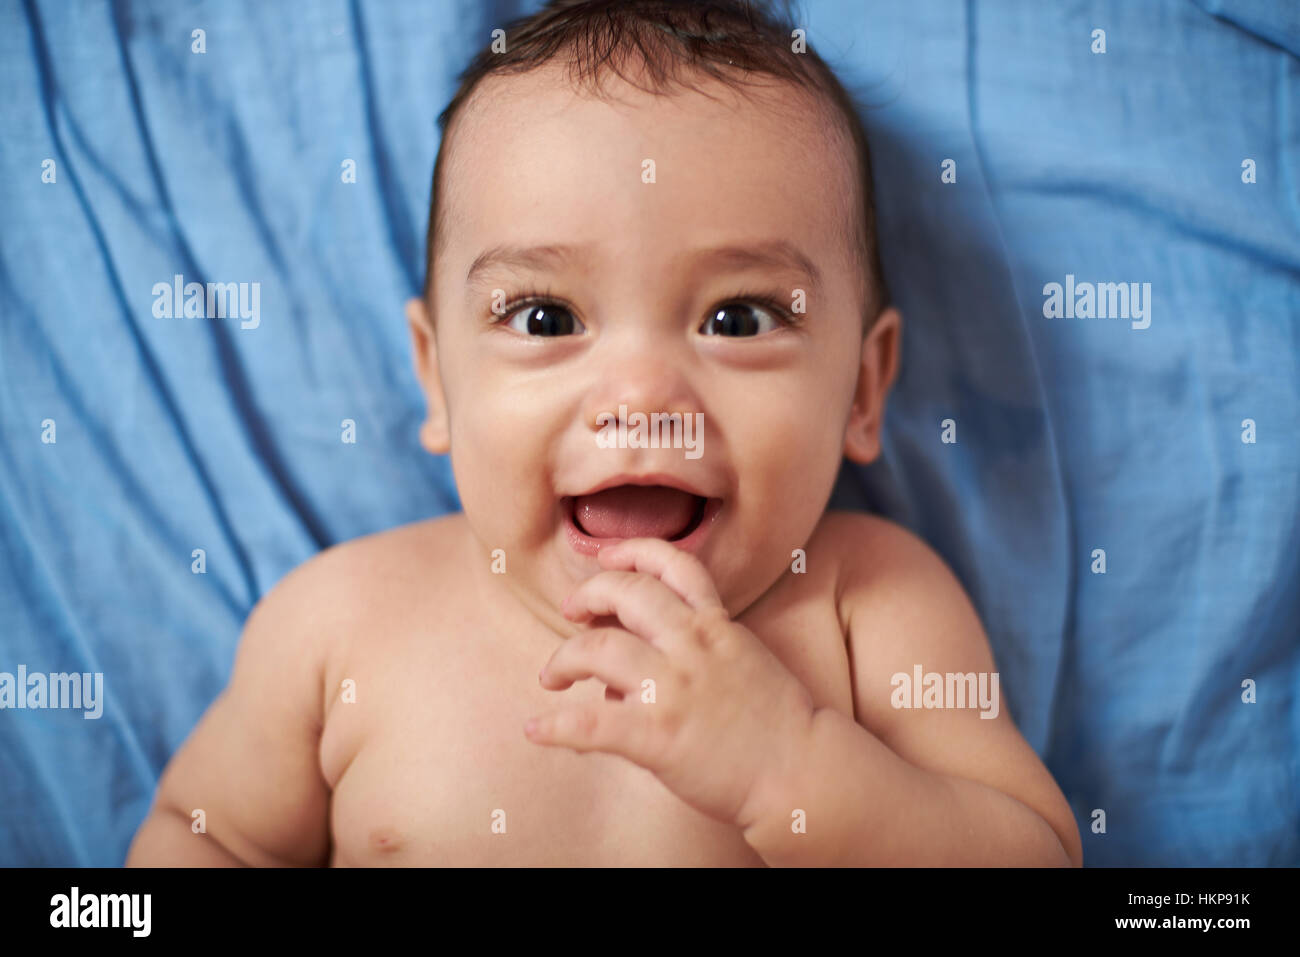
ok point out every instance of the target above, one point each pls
(643, 605)
(679, 570)
(622, 729)
(618, 658)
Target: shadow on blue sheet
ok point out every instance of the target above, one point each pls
(1072, 434)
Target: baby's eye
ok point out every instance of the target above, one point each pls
(740, 319)
(544, 319)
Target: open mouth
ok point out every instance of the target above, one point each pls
(638, 511)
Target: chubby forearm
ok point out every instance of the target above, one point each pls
(863, 805)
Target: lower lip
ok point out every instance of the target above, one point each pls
(584, 544)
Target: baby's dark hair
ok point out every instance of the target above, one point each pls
(723, 39)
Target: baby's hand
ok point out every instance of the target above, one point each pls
(692, 696)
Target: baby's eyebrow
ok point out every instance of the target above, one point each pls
(766, 254)
(525, 257)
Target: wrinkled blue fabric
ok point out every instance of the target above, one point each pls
(1072, 435)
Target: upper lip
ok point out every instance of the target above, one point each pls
(654, 478)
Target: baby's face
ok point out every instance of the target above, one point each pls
(645, 235)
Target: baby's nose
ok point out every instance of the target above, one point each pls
(645, 383)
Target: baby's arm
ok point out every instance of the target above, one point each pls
(251, 763)
(924, 787)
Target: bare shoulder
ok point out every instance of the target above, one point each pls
(884, 568)
(252, 761)
(906, 615)
(359, 577)
(900, 602)
(353, 586)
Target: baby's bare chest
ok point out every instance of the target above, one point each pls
(431, 766)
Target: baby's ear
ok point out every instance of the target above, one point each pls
(879, 368)
(435, 435)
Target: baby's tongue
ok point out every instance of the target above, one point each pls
(635, 511)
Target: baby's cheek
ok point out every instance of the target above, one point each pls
(505, 493)
(783, 510)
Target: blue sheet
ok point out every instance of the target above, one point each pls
(1076, 434)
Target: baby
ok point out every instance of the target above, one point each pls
(653, 325)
